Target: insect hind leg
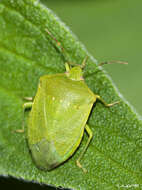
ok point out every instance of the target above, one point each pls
(85, 148)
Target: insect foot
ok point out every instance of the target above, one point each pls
(80, 166)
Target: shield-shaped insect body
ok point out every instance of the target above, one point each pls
(59, 115)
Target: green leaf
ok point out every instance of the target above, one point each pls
(114, 157)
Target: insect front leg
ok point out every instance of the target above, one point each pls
(88, 130)
(28, 98)
(107, 105)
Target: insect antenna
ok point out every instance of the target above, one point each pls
(111, 62)
(59, 45)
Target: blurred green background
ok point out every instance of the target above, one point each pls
(110, 30)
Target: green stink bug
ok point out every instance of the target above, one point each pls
(58, 118)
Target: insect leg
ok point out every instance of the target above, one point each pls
(107, 105)
(85, 148)
(26, 105)
(28, 98)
